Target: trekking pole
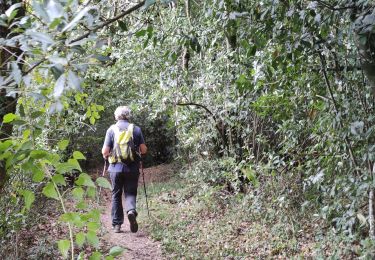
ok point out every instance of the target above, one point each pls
(144, 186)
(103, 174)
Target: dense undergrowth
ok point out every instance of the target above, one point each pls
(196, 220)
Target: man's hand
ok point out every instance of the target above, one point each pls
(105, 152)
(143, 149)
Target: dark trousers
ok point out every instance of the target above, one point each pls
(123, 183)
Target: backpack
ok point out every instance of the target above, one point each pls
(123, 145)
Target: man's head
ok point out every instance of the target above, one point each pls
(122, 113)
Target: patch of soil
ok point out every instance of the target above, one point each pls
(137, 245)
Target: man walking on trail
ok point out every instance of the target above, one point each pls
(123, 147)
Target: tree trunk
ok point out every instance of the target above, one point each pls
(371, 214)
(7, 104)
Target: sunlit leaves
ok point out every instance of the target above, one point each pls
(70, 165)
(9, 118)
(59, 86)
(50, 191)
(78, 193)
(103, 182)
(29, 198)
(54, 10)
(64, 246)
(74, 82)
(84, 180)
(80, 239)
(78, 155)
(63, 144)
(77, 18)
(73, 218)
(95, 256)
(92, 238)
(59, 179)
(116, 251)
(11, 12)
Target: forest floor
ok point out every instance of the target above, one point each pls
(189, 220)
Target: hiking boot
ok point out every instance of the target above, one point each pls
(117, 228)
(132, 216)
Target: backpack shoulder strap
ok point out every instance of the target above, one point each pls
(116, 132)
(131, 129)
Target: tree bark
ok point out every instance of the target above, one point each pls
(7, 104)
(371, 214)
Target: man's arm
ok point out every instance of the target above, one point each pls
(108, 144)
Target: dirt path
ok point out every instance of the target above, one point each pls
(138, 245)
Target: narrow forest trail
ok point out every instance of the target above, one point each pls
(137, 245)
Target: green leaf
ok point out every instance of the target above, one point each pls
(73, 218)
(16, 72)
(81, 205)
(59, 179)
(39, 9)
(9, 118)
(70, 165)
(59, 86)
(95, 256)
(109, 257)
(49, 191)
(12, 11)
(78, 155)
(92, 120)
(80, 256)
(103, 182)
(92, 238)
(123, 26)
(38, 154)
(251, 176)
(94, 215)
(54, 9)
(55, 23)
(76, 19)
(43, 38)
(64, 246)
(93, 226)
(74, 82)
(147, 4)
(91, 192)
(85, 180)
(38, 175)
(80, 239)
(116, 251)
(63, 144)
(141, 33)
(5, 145)
(78, 193)
(29, 198)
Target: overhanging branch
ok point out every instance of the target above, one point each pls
(109, 21)
(217, 123)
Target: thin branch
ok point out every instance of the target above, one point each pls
(109, 21)
(197, 105)
(335, 106)
(333, 8)
(213, 116)
(34, 66)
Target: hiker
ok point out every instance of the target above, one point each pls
(124, 166)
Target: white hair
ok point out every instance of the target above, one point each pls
(122, 113)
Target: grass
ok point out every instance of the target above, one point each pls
(196, 221)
